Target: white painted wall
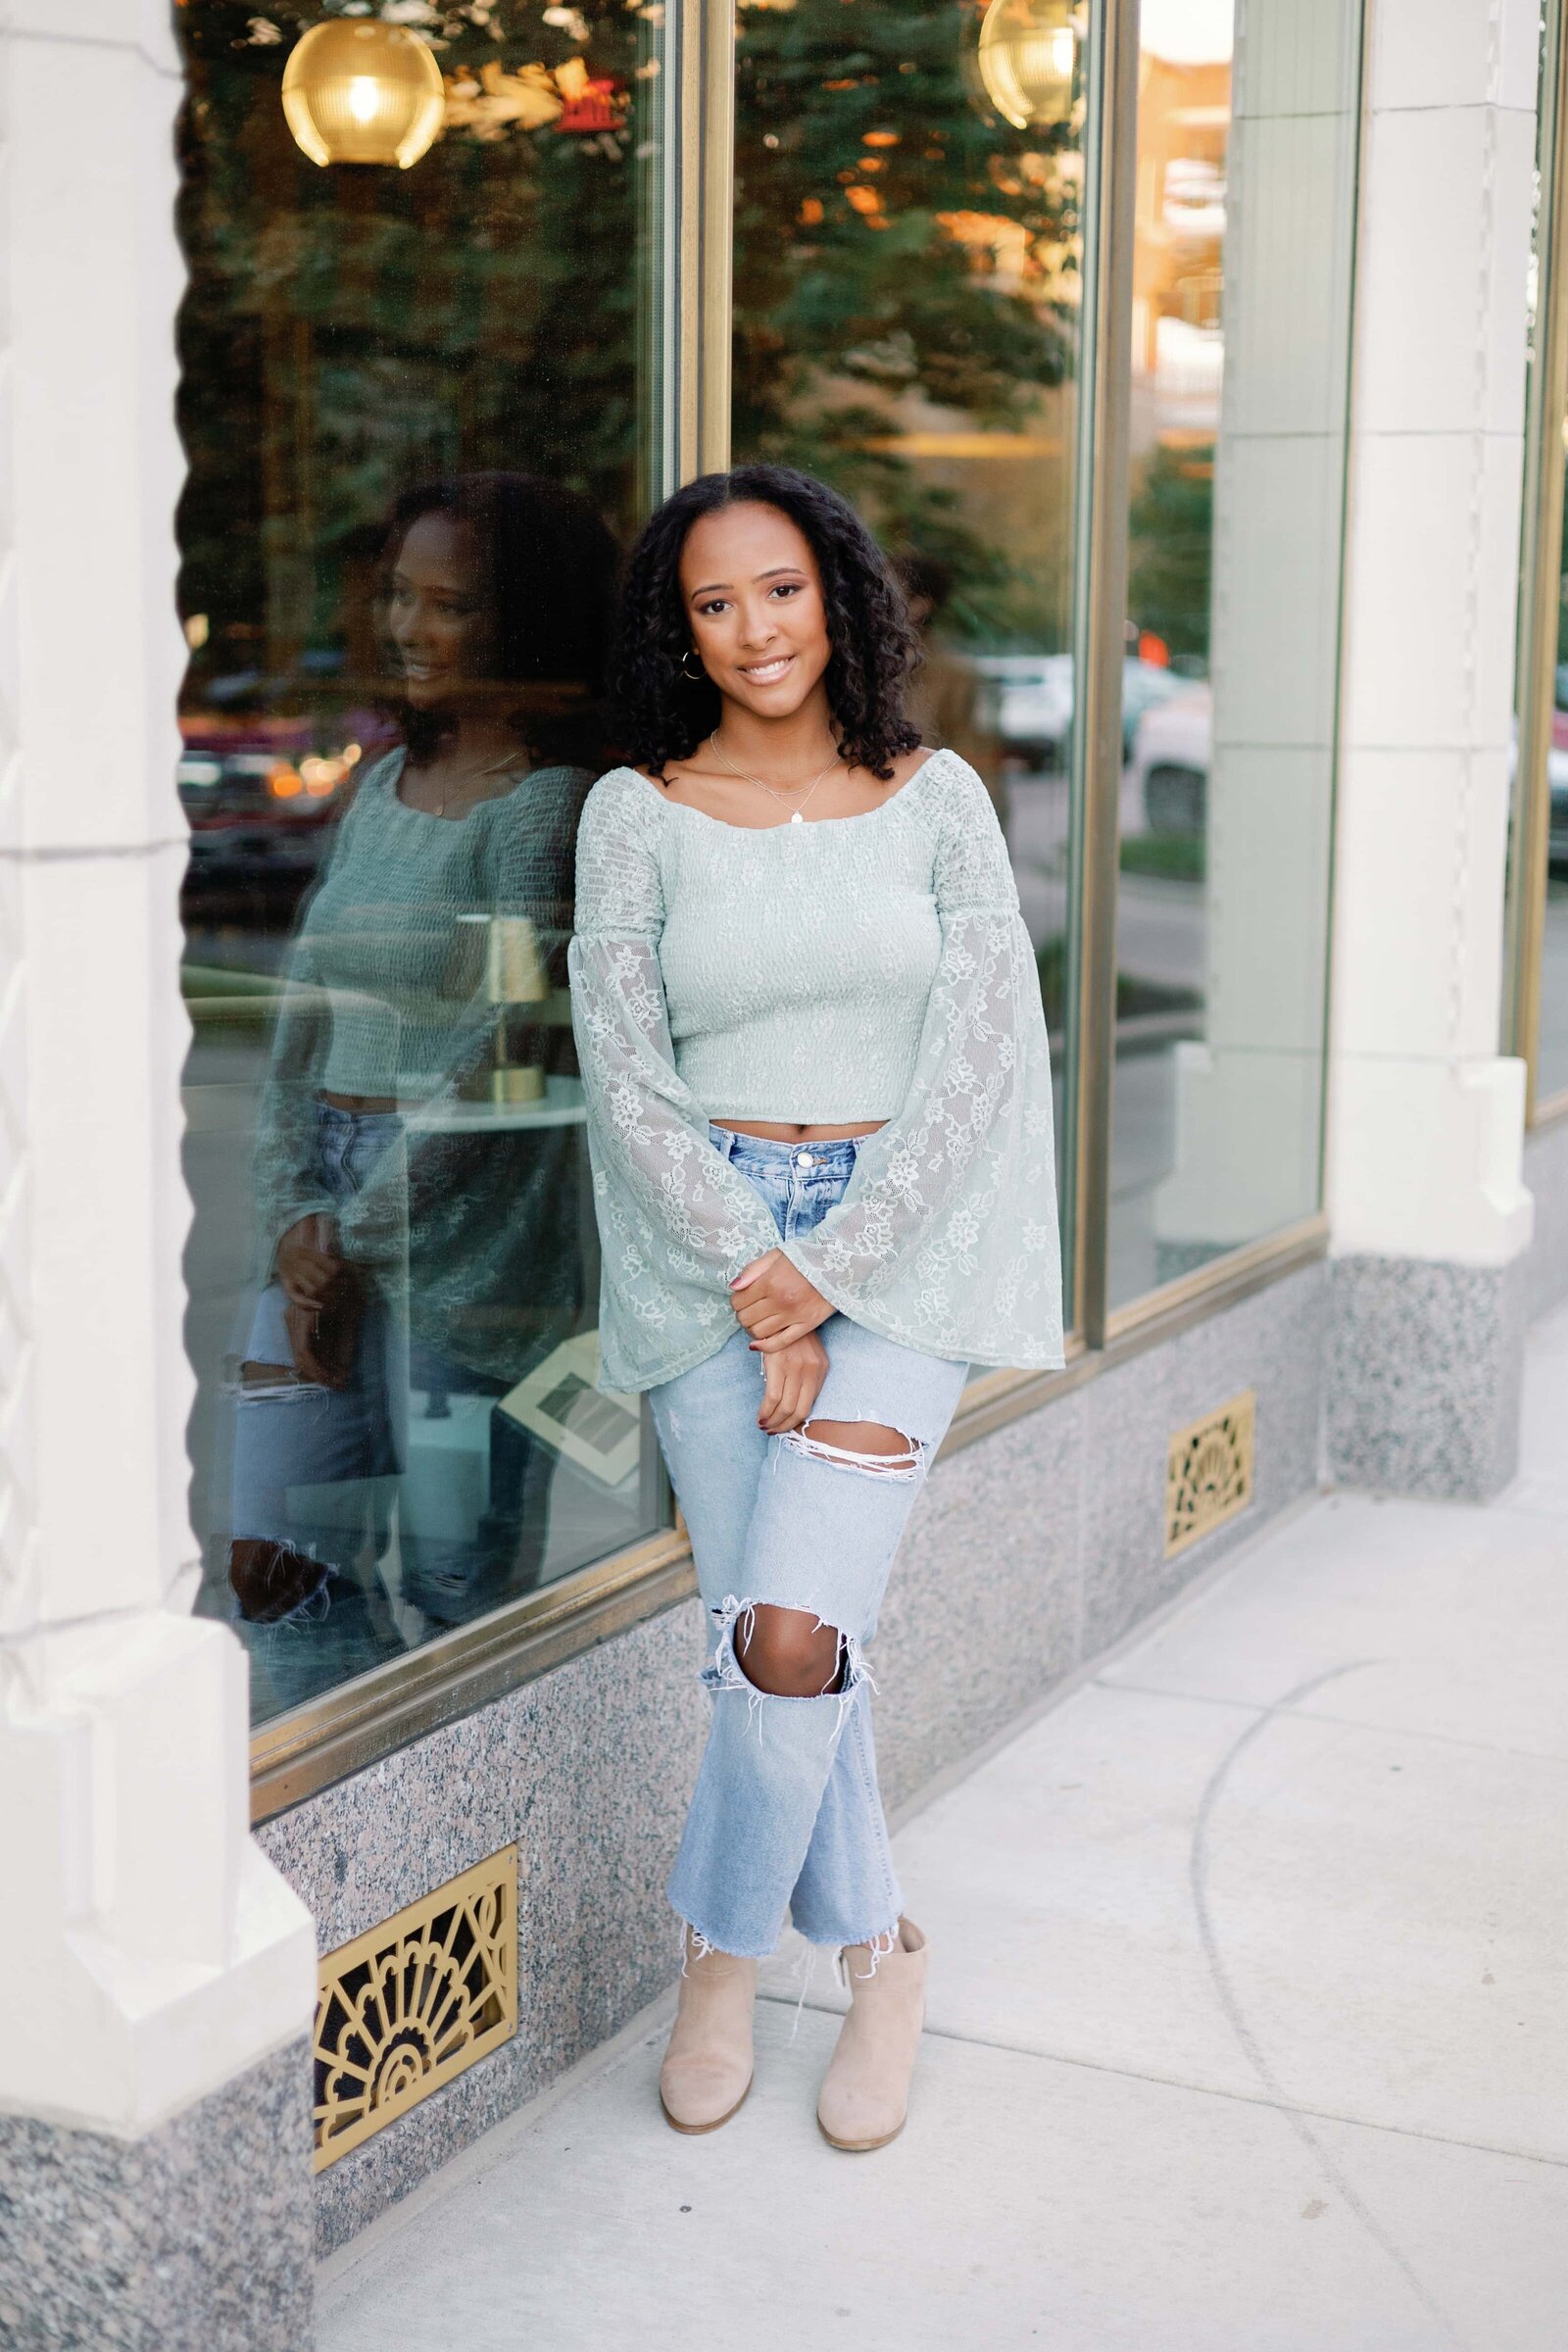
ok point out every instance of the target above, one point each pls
(150, 1948)
(1426, 1119)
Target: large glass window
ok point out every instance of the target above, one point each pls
(415, 407)
(422, 404)
(1245, 182)
(908, 275)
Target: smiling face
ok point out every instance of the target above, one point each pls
(753, 603)
(436, 616)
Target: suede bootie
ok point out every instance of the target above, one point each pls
(707, 2066)
(866, 2091)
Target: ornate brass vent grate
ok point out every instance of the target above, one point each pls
(408, 2006)
(1208, 1474)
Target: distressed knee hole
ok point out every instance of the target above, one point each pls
(868, 1446)
(801, 1655)
(788, 1652)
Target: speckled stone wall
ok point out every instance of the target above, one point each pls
(1038, 1547)
(1030, 1552)
(1425, 1373)
(196, 2238)
(1547, 1175)
(588, 1770)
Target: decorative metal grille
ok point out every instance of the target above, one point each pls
(408, 2006)
(1208, 1474)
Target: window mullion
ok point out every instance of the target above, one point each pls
(1100, 622)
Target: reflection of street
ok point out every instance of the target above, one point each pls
(1159, 928)
(1161, 940)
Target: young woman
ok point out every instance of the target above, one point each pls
(397, 1253)
(819, 1112)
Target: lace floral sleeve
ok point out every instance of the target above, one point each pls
(946, 1237)
(676, 1222)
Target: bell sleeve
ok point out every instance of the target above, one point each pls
(946, 1239)
(288, 1181)
(676, 1222)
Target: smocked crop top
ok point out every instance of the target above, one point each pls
(863, 968)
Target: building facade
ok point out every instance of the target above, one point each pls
(1203, 365)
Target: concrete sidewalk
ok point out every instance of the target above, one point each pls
(1248, 2025)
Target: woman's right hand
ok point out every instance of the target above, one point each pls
(309, 1261)
(794, 1377)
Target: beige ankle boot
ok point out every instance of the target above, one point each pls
(707, 2066)
(866, 2091)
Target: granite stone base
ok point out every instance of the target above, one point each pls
(1425, 1371)
(1030, 1550)
(196, 2238)
(1546, 1174)
(588, 1770)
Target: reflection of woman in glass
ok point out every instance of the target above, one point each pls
(404, 1246)
(819, 1111)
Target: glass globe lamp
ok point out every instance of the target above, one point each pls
(1027, 55)
(356, 91)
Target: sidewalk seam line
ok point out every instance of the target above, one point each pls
(1205, 2090)
(1354, 1723)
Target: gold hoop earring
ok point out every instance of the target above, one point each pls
(691, 675)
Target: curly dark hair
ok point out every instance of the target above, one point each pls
(548, 566)
(664, 714)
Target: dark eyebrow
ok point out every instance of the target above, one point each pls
(778, 570)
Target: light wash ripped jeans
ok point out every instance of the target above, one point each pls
(786, 1812)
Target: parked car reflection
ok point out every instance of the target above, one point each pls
(259, 796)
(1032, 697)
(1172, 749)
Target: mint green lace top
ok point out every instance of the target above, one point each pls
(474, 1235)
(850, 968)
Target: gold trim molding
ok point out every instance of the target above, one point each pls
(1208, 1472)
(413, 2003)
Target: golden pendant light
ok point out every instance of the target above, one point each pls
(1027, 57)
(357, 91)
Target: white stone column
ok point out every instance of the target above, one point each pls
(153, 1962)
(1426, 1119)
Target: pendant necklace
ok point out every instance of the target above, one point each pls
(493, 768)
(782, 799)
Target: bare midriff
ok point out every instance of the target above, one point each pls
(791, 1131)
(358, 1103)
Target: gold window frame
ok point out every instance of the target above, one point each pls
(1541, 564)
(297, 1754)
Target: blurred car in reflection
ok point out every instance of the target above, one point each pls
(260, 800)
(1173, 746)
(1033, 704)
(1030, 705)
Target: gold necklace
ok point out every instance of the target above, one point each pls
(782, 799)
(492, 767)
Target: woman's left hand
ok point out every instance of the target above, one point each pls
(776, 1303)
